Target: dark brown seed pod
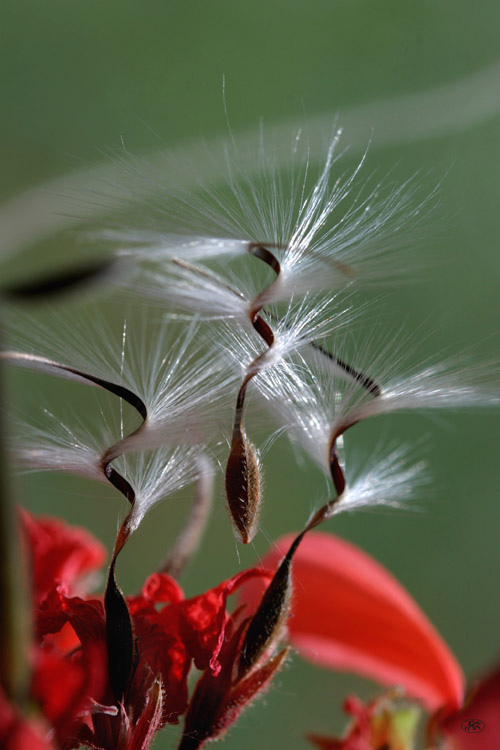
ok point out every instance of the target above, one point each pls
(119, 637)
(268, 623)
(243, 487)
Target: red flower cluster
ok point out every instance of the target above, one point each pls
(346, 609)
(71, 684)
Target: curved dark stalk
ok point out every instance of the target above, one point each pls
(43, 364)
(338, 478)
(50, 366)
(261, 252)
(119, 630)
(242, 471)
(365, 381)
(266, 624)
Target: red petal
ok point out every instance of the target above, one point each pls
(477, 725)
(64, 687)
(161, 653)
(60, 554)
(19, 733)
(66, 683)
(159, 588)
(349, 613)
(204, 618)
(85, 616)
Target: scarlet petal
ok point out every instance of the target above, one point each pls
(60, 554)
(477, 725)
(160, 588)
(349, 613)
(64, 687)
(204, 618)
(162, 654)
(85, 616)
(19, 733)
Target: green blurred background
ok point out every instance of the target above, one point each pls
(423, 80)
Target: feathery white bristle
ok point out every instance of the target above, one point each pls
(59, 447)
(155, 476)
(152, 475)
(314, 400)
(297, 408)
(157, 246)
(324, 231)
(187, 392)
(389, 482)
(448, 385)
(310, 319)
(177, 284)
(185, 388)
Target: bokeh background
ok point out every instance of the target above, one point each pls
(422, 80)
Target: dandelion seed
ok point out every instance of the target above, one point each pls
(155, 476)
(315, 403)
(65, 448)
(180, 391)
(389, 481)
(448, 385)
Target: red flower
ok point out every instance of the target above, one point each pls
(71, 681)
(349, 613)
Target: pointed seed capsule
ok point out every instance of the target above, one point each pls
(268, 623)
(243, 487)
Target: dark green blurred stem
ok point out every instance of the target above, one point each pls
(15, 620)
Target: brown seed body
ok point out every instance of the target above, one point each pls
(243, 486)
